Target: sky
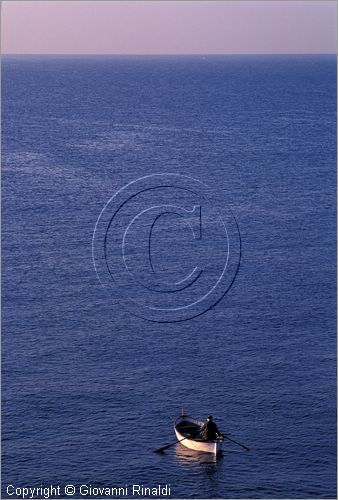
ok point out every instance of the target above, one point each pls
(168, 27)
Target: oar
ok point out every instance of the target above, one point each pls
(242, 445)
(160, 450)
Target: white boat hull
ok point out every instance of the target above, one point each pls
(214, 447)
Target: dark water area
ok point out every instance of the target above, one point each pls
(88, 389)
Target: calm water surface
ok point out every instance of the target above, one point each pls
(88, 391)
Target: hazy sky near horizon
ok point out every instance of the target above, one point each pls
(168, 27)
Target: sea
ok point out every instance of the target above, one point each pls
(93, 372)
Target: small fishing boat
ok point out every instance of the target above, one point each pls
(187, 431)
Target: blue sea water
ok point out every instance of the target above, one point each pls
(88, 389)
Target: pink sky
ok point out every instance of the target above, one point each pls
(168, 27)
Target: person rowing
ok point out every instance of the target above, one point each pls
(210, 431)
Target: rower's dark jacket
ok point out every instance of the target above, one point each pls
(210, 431)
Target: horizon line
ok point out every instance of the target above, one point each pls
(168, 54)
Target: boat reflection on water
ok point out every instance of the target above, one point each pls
(185, 456)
